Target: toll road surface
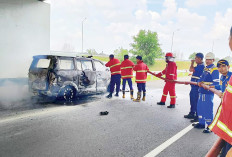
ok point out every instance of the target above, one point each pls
(130, 129)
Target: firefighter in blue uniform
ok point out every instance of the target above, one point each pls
(209, 77)
(197, 72)
(223, 68)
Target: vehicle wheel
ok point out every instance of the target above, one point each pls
(68, 93)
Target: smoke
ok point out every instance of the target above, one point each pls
(14, 94)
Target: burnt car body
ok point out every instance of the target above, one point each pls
(63, 77)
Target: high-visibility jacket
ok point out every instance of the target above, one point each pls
(222, 123)
(141, 72)
(210, 76)
(127, 69)
(114, 65)
(170, 71)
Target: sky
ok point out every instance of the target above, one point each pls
(194, 25)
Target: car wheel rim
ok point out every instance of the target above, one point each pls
(68, 94)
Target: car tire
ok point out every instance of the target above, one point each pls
(68, 93)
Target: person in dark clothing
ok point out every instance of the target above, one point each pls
(114, 65)
(194, 94)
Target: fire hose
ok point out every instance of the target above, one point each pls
(215, 91)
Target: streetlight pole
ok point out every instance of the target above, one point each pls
(212, 45)
(173, 37)
(172, 41)
(82, 35)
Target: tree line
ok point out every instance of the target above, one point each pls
(145, 44)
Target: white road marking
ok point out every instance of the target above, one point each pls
(167, 143)
(36, 113)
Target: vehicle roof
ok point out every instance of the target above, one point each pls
(77, 57)
(50, 56)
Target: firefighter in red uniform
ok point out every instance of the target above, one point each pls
(141, 77)
(171, 73)
(114, 65)
(127, 73)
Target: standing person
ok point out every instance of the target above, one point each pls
(223, 67)
(171, 73)
(127, 73)
(141, 77)
(197, 72)
(115, 70)
(222, 124)
(210, 76)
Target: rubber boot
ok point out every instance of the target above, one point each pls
(171, 106)
(109, 96)
(123, 94)
(144, 96)
(138, 97)
(160, 103)
(131, 94)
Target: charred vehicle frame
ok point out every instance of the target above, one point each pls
(63, 77)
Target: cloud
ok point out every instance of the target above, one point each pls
(111, 24)
(198, 3)
(154, 15)
(222, 24)
(170, 10)
(189, 20)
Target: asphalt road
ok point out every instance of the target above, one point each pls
(130, 129)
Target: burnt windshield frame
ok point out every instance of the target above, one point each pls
(95, 60)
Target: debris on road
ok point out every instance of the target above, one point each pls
(104, 113)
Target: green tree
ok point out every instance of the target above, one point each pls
(120, 52)
(91, 51)
(146, 44)
(228, 58)
(192, 56)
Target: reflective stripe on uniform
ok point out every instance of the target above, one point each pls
(195, 77)
(211, 71)
(229, 88)
(126, 67)
(216, 80)
(224, 128)
(171, 74)
(216, 118)
(140, 80)
(172, 96)
(127, 76)
(116, 72)
(141, 71)
(114, 65)
(207, 83)
(164, 95)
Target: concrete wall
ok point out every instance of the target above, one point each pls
(24, 32)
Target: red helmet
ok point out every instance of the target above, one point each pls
(169, 54)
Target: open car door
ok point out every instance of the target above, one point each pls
(88, 77)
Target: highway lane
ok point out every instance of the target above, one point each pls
(130, 129)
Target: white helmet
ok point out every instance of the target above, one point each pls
(210, 55)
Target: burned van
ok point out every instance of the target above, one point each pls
(63, 77)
